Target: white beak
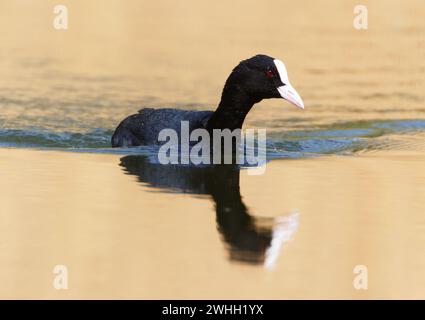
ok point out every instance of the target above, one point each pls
(289, 93)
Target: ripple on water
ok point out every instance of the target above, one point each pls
(337, 138)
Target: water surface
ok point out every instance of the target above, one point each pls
(343, 186)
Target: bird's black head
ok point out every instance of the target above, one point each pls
(263, 77)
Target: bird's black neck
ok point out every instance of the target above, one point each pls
(234, 106)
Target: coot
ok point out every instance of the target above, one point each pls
(252, 80)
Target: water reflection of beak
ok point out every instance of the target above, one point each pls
(283, 230)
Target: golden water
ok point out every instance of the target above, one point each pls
(126, 231)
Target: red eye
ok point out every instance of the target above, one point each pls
(269, 74)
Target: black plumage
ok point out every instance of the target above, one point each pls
(251, 81)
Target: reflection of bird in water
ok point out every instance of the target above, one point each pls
(249, 239)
